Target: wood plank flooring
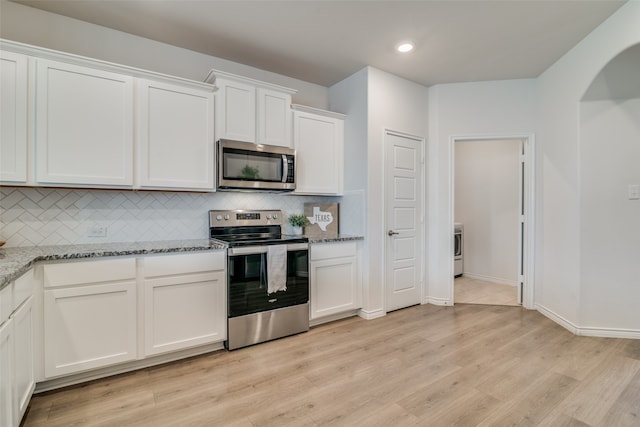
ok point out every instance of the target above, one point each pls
(468, 365)
(474, 291)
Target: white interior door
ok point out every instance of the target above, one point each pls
(403, 194)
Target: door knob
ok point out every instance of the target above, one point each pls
(391, 232)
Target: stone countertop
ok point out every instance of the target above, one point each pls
(331, 238)
(16, 261)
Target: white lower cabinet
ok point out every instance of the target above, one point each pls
(16, 350)
(89, 315)
(24, 357)
(107, 315)
(185, 301)
(336, 286)
(6, 373)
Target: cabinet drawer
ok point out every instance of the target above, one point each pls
(86, 272)
(188, 263)
(321, 251)
(22, 288)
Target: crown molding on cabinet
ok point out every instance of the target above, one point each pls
(69, 58)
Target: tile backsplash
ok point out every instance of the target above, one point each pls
(50, 216)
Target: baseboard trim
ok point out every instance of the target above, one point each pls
(438, 301)
(370, 315)
(332, 318)
(72, 379)
(588, 331)
(609, 333)
(557, 319)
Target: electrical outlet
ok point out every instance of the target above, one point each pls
(97, 231)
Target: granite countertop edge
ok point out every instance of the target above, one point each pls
(329, 238)
(15, 261)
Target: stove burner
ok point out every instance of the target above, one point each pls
(250, 228)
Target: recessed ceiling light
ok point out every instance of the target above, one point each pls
(405, 47)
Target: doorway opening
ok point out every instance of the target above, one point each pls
(492, 197)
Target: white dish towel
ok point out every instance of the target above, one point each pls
(276, 268)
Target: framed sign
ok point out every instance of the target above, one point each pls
(323, 218)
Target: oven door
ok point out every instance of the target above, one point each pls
(248, 280)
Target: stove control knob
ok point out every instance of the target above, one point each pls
(218, 217)
(269, 216)
(226, 217)
(275, 216)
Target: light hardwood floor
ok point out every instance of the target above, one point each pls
(474, 291)
(468, 365)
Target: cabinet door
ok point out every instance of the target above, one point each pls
(335, 286)
(6, 374)
(13, 117)
(318, 141)
(235, 111)
(23, 351)
(274, 118)
(84, 126)
(182, 312)
(89, 327)
(176, 137)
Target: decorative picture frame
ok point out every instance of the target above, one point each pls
(323, 218)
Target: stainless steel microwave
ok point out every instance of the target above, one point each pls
(247, 166)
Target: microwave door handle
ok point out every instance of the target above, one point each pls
(285, 168)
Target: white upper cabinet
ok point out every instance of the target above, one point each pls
(318, 138)
(175, 125)
(13, 118)
(252, 111)
(236, 111)
(274, 118)
(84, 126)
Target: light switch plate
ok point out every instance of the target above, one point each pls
(634, 191)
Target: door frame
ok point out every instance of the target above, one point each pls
(385, 220)
(527, 240)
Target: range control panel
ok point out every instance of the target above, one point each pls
(245, 218)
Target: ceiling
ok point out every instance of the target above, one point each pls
(325, 41)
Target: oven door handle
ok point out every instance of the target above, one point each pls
(249, 250)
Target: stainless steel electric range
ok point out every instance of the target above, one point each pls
(267, 276)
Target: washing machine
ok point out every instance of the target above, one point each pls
(458, 249)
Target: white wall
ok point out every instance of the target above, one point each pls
(36, 27)
(399, 105)
(559, 288)
(482, 109)
(350, 97)
(391, 103)
(610, 240)
(487, 202)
